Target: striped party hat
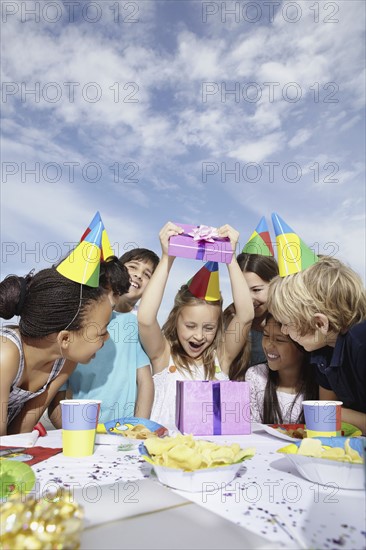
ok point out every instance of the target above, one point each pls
(205, 283)
(293, 254)
(260, 241)
(106, 245)
(82, 265)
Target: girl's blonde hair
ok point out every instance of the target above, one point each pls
(328, 287)
(180, 358)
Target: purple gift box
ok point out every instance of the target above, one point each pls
(213, 407)
(185, 246)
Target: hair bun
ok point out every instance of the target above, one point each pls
(22, 296)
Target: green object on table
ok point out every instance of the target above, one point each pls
(348, 430)
(15, 477)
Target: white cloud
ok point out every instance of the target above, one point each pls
(300, 137)
(350, 123)
(170, 131)
(198, 58)
(256, 151)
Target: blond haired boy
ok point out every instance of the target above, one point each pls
(323, 308)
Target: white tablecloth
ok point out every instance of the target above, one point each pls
(268, 497)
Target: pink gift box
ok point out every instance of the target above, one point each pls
(184, 246)
(213, 407)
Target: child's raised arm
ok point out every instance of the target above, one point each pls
(152, 338)
(238, 329)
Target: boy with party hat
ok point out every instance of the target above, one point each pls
(139, 262)
(192, 343)
(323, 308)
(120, 373)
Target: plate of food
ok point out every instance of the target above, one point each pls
(338, 461)
(289, 432)
(131, 428)
(189, 464)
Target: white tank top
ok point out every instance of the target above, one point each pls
(163, 410)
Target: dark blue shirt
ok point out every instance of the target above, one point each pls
(257, 354)
(342, 369)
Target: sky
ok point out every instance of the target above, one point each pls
(183, 110)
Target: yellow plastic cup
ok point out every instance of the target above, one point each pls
(322, 418)
(79, 426)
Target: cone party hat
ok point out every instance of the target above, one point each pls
(82, 265)
(260, 241)
(205, 283)
(293, 254)
(106, 245)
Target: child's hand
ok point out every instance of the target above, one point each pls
(169, 230)
(228, 231)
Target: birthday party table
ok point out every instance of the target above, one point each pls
(267, 505)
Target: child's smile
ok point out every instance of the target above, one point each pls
(280, 350)
(196, 347)
(196, 328)
(272, 356)
(134, 284)
(140, 272)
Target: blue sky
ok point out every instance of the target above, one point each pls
(195, 112)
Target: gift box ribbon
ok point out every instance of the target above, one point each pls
(216, 399)
(204, 233)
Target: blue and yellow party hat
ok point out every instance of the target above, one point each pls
(205, 283)
(82, 265)
(293, 254)
(106, 245)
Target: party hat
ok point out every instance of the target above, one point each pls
(293, 254)
(205, 283)
(106, 245)
(260, 241)
(82, 265)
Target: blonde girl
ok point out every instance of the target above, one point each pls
(192, 343)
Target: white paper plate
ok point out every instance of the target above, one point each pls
(198, 481)
(204, 480)
(273, 431)
(344, 475)
(107, 439)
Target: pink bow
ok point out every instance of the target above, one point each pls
(204, 233)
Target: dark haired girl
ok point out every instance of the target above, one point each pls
(278, 387)
(258, 272)
(62, 323)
